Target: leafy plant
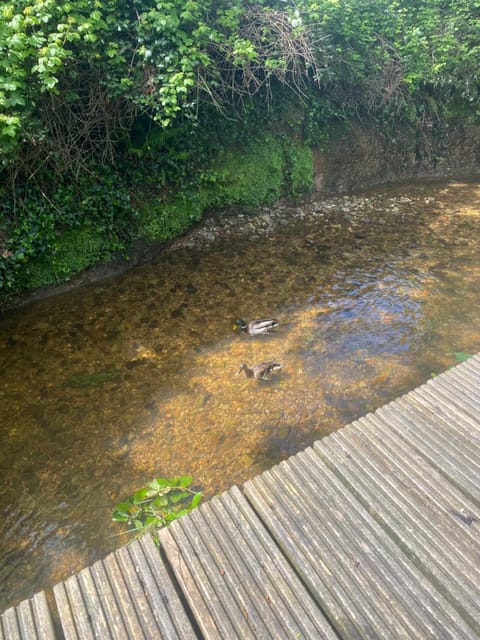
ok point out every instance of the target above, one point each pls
(108, 104)
(157, 505)
(462, 356)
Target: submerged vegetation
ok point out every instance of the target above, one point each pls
(126, 119)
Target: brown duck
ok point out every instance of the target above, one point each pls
(262, 371)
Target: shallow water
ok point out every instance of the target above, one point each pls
(107, 386)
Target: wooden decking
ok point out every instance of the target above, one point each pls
(374, 532)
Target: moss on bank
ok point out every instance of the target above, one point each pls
(259, 173)
(77, 249)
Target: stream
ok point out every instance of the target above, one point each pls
(106, 386)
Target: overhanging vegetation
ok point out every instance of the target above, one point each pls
(122, 119)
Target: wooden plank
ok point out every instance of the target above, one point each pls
(327, 576)
(452, 392)
(455, 458)
(123, 599)
(187, 576)
(432, 395)
(364, 582)
(265, 561)
(127, 595)
(9, 625)
(65, 612)
(452, 401)
(252, 616)
(163, 599)
(72, 609)
(203, 591)
(30, 620)
(471, 366)
(422, 523)
(468, 375)
(147, 625)
(42, 617)
(430, 497)
(106, 598)
(240, 585)
(420, 407)
(442, 408)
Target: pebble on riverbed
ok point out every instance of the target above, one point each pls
(265, 220)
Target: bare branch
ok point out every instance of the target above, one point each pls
(284, 53)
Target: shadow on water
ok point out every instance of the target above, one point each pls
(109, 385)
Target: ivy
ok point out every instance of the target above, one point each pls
(105, 102)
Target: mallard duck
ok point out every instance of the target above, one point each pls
(261, 371)
(255, 327)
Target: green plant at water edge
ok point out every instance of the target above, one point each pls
(157, 505)
(461, 356)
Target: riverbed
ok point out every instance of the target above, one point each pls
(111, 384)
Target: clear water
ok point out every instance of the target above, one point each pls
(107, 386)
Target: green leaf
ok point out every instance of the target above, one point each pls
(178, 497)
(163, 482)
(124, 506)
(196, 500)
(120, 517)
(140, 495)
(461, 356)
(185, 481)
(160, 502)
(9, 131)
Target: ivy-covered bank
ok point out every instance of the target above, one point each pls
(259, 173)
(124, 120)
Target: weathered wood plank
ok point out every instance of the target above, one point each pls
(468, 376)
(72, 610)
(9, 625)
(292, 596)
(429, 495)
(121, 600)
(239, 575)
(469, 373)
(204, 599)
(418, 409)
(455, 458)
(30, 620)
(444, 409)
(421, 520)
(431, 395)
(451, 401)
(365, 583)
(127, 595)
(160, 591)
